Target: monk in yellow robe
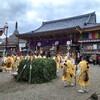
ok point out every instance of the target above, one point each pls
(57, 59)
(68, 72)
(9, 64)
(83, 75)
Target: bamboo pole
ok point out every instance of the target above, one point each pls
(75, 75)
(30, 72)
(21, 71)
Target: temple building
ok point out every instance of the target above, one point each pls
(79, 34)
(11, 43)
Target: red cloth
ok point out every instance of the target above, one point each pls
(19, 52)
(93, 35)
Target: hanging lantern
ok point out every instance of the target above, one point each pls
(57, 42)
(39, 44)
(68, 42)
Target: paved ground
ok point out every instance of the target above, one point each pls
(10, 90)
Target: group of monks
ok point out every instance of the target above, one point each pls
(71, 70)
(11, 62)
(67, 63)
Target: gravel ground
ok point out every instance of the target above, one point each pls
(11, 90)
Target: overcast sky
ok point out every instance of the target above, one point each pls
(31, 13)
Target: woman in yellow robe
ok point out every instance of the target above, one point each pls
(68, 72)
(83, 77)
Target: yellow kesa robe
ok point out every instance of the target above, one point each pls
(9, 63)
(62, 61)
(82, 75)
(16, 62)
(68, 71)
(22, 58)
(57, 59)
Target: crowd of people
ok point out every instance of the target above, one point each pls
(67, 63)
(71, 70)
(75, 67)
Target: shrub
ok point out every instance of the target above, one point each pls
(42, 70)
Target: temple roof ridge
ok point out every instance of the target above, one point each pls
(81, 20)
(69, 18)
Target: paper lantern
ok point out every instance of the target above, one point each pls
(68, 42)
(57, 42)
(39, 44)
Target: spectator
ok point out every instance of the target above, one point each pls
(99, 60)
(94, 57)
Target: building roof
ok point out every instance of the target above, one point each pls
(82, 21)
(13, 40)
(66, 23)
(90, 25)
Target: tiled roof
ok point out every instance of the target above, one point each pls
(81, 21)
(13, 40)
(90, 25)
